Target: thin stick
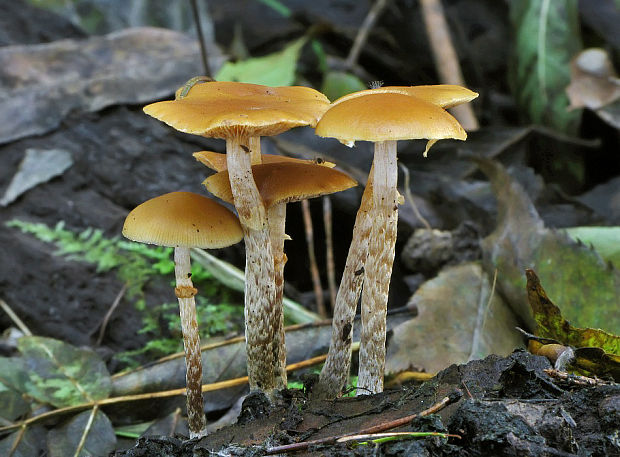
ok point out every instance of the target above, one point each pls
(575, 379)
(446, 60)
(86, 431)
(108, 315)
(395, 435)
(363, 32)
(367, 431)
(314, 269)
(410, 199)
(15, 318)
(201, 40)
(329, 250)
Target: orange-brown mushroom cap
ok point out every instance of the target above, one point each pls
(217, 161)
(183, 219)
(284, 182)
(444, 95)
(385, 116)
(227, 109)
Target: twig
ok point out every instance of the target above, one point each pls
(201, 40)
(367, 431)
(467, 390)
(314, 269)
(446, 60)
(363, 32)
(18, 438)
(575, 379)
(15, 318)
(86, 431)
(329, 250)
(108, 315)
(395, 435)
(409, 196)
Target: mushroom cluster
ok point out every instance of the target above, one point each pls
(260, 186)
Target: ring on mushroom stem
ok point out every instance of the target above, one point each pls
(382, 115)
(242, 113)
(183, 220)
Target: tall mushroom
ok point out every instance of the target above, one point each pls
(382, 115)
(280, 183)
(241, 113)
(183, 220)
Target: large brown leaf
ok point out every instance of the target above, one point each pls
(41, 84)
(456, 323)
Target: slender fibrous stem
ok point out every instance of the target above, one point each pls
(335, 372)
(185, 292)
(263, 344)
(276, 215)
(381, 248)
(255, 151)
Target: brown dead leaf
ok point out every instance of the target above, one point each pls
(456, 322)
(595, 84)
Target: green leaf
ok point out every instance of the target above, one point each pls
(339, 83)
(277, 69)
(551, 324)
(13, 376)
(277, 6)
(546, 38)
(606, 241)
(585, 287)
(321, 55)
(87, 434)
(61, 374)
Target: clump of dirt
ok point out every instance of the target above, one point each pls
(496, 406)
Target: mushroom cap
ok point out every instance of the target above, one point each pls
(284, 182)
(384, 116)
(183, 219)
(217, 161)
(444, 95)
(228, 109)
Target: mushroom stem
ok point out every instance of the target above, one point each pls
(263, 346)
(381, 248)
(276, 215)
(335, 372)
(185, 292)
(255, 154)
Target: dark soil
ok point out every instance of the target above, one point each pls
(499, 407)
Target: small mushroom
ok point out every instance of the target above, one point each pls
(382, 115)
(183, 220)
(241, 113)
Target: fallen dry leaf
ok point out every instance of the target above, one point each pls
(456, 322)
